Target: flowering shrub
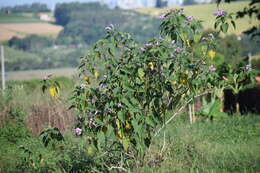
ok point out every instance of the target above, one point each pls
(129, 91)
(138, 85)
(222, 20)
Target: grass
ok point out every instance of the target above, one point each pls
(18, 18)
(204, 12)
(224, 145)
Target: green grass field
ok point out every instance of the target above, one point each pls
(204, 13)
(225, 145)
(18, 18)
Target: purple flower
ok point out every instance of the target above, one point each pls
(101, 85)
(186, 22)
(162, 16)
(171, 55)
(109, 110)
(212, 68)
(78, 131)
(204, 39)
(109, 27)
(119, 105)
(177, 49)
(219, 13)
(248, 67)
(210, 35)
(190, 18)
(181, 10)
(82, 86)
(148, 44)
(142, 49)
(91, 122)
(46, 77)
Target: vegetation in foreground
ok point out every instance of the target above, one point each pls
(229, 144)
(226, 145)
(123, 107)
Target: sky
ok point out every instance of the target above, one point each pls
(50, 3)
(111, 3)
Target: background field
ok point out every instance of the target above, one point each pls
(40, 74)
(204, 13)
(18, 18)
(7, 31)
(22, 24)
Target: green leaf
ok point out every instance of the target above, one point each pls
(134, 101)
(125, 143)
(217, 23)
(137, 128)
(121, 116)
(233, 23)
(101, 139)
(141, 73)
(149, 120)
(224, 27)
(126, 102)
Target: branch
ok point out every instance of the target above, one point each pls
(176, 113)
(115, 167)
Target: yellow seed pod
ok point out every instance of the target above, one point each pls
(188, 43)
(150, 65)
(184, 81)
(211, 53)
(96, 74)
(120, 134)
(141, 73)
(86, 78)
(41, 160)
(118, 124)
(90, 150)
(53, 92)
(173, 82)
(127, 125)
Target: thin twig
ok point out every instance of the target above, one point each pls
(163, 142)
(176, 113)
(115, 167)
(169, 120)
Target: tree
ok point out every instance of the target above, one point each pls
(160, 3)
(189, 2)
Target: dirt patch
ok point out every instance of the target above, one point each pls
(7, 31)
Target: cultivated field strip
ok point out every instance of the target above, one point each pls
(7, 31)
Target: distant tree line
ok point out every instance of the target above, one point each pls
(27, 8)
(161, 3)
(30, 43)
(85, 22)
